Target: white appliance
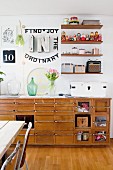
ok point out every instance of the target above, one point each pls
(88, 89)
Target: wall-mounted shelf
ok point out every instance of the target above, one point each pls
(81, 26)
(80, 73)
(81, 42)
(81, 55)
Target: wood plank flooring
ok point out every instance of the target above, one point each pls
(79, 158)
(70, 158)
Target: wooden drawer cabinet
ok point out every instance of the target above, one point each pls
(60, 121)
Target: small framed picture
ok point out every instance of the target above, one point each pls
(9, 56)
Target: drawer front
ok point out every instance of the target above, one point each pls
(64, 126)
(24, 101)
(101, 105)
(64, 101)
(83, 137)
(64, 108)
(24, 107)
(7, 101)
(44, 108)
(44, 118)
(44, 113)
(7, 117)
(44, 101)
(64, 112)
(101, 139)
(44, 139)
(7, 107)
(63, 118)
(66, 138)
(44, 126)
(31, 139)
(21, 137)
(7, 112)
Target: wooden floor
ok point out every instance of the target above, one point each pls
(79, 158)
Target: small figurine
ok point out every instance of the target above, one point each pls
(75, 38)
(78, 36)
(71, 38)
(74, 20)
(67, 37)
(87, 37)
(100, 37)
(96, 36)
(66, 21)
(83, 37)
(92, 36)
(63, 36)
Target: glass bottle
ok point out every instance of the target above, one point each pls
(32, 88)
(13, 87)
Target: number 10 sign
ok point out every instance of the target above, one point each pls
(9, 56)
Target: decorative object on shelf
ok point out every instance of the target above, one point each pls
(92, 36)
(32, 88)
(78, 36)
(91, 22)
(63, 36)
(19, 38)
(52, 75)
(81, 51)
(13, 87)
(83, 37)
(74, 50)
(66, 21)
(79, 68)
(95, 51)
(74, 20)
(96, 36)
(67, 67)
(93, 66)
(87, 37)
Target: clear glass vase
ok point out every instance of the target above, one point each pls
(32, 88)
(52, 88)
(13, 87)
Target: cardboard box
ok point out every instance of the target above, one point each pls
(82, 121)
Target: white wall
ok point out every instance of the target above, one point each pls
(22, 67)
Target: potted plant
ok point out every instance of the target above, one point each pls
(1, 73)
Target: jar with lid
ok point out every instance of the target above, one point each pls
(85, 136)
(79, 136)
(74, 50)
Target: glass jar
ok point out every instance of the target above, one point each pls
(13, 87)
(32, 88)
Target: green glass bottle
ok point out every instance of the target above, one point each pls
(32, 88)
